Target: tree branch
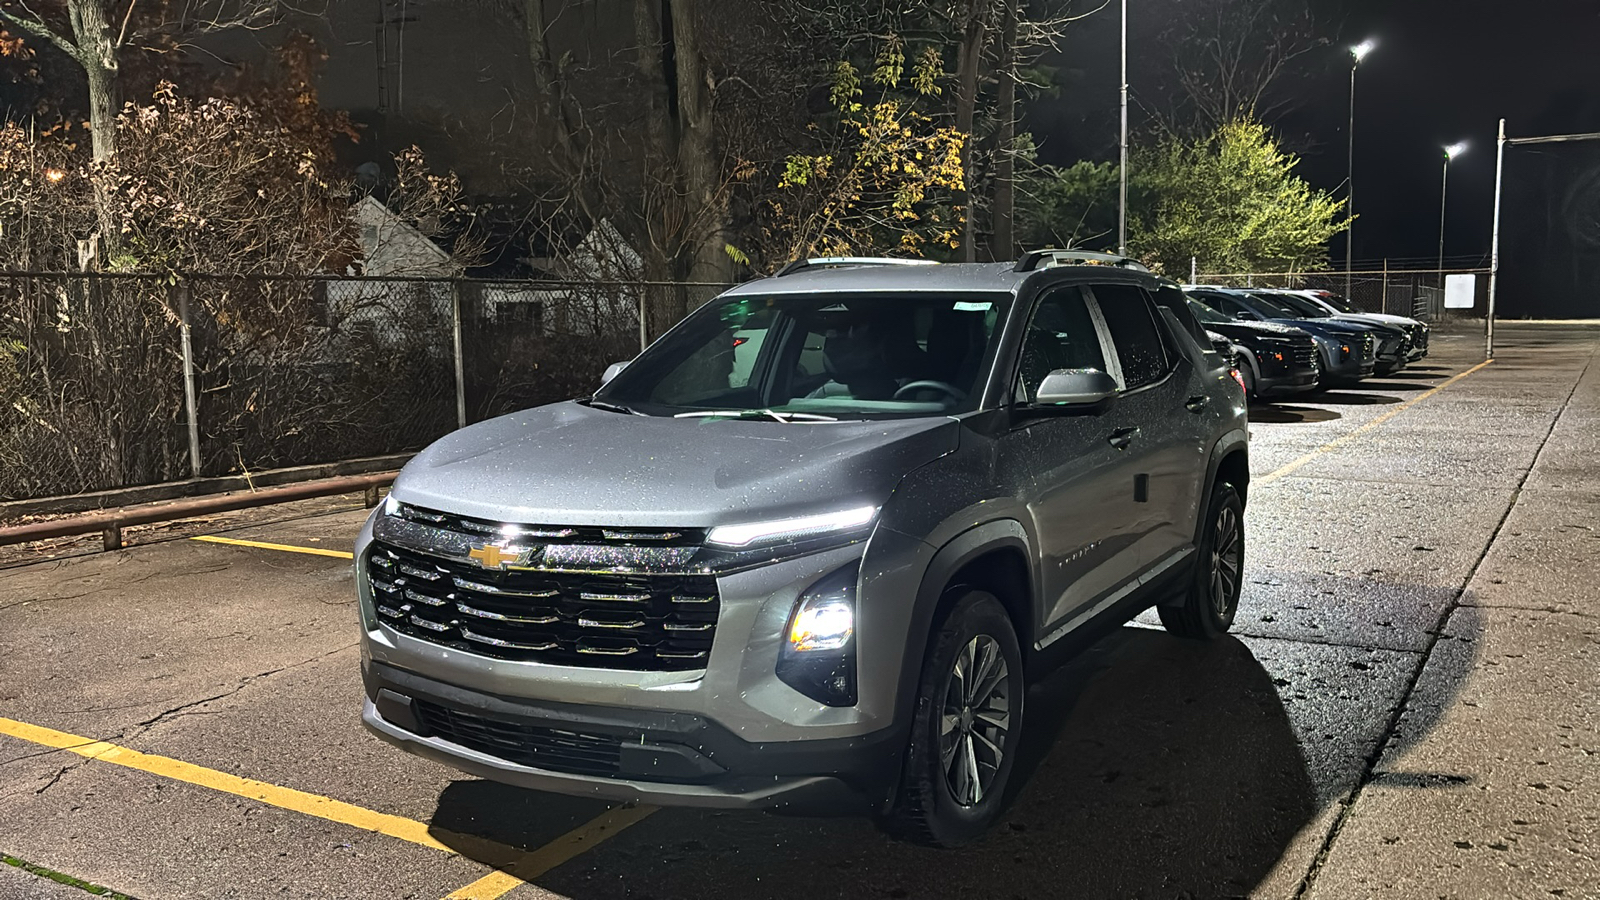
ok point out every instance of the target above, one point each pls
(33, 24)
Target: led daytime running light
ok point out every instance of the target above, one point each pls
(790, 529)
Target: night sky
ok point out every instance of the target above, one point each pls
(1443, 71)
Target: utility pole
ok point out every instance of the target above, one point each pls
(1122, 165)
(1494, 242)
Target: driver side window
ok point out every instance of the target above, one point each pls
(1061, 334)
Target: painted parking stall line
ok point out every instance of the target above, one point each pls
(263, 545)
(525, 864)
(1290, 467)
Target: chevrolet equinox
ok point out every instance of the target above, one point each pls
(808, 550)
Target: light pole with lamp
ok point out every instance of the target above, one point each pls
(1122, 147)
(1450, 152)
(1359, 52)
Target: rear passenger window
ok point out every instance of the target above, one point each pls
(1134, 333)
(1060, 335)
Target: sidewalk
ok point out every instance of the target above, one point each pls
(1489, 785)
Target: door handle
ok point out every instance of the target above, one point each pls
(1198, 403)
(1122, 437)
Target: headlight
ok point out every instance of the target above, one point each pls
(818, 657)
(391, 506)
(792, 529)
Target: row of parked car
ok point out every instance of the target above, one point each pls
(1286, 342)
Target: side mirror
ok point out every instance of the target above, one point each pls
(613, 371)
(1247, 316)
(1076, 388)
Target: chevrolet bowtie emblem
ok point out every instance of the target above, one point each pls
(493, 556)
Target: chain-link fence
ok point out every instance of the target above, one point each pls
(103, 386)
(1418, 294)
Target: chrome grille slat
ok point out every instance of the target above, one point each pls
(500, 592)
(627, 620)
(498, 617)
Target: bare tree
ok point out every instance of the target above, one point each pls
(96, 34)
(1232, 58)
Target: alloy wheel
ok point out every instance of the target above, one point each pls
(1227, 558)
(976, 720)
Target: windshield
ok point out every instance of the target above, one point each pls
(1338, 302)
(1299, 306)
(810, 358)
(1206, 314)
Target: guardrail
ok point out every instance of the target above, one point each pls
(111, 523)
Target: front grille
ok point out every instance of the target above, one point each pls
(609, 621)
(526, 745)
(1304, 354)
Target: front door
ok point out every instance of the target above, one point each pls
(1075, 473)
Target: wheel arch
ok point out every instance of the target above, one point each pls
(993, 556)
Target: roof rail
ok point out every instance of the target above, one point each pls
(828, 261)
(1049, 257)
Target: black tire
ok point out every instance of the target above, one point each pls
(1212, 599)
(1249, 376)
(927, 808)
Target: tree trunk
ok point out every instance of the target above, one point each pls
(1005, 193)
(97, 53)
(967, 65)
(556, 112)
(706, 221)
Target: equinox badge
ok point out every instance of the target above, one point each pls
(493, 556)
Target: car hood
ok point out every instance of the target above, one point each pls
(1400, 322)
(568, 464)
(1332, 326)
(1246, 330)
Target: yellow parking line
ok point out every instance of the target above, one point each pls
(526, 863)
(1289, 468)
(287, 548)
(570, 845)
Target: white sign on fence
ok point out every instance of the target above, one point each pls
(1460, 291)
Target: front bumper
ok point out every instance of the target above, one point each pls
(732, 734)
(1343, 371)
(631, 756)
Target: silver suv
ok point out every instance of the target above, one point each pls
(808, 550)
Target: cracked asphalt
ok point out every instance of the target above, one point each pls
(1410, 706)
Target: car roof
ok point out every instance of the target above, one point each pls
(1000, 277)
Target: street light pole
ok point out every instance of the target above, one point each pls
(1122, 165)
(1450, 152)
(1359, 51)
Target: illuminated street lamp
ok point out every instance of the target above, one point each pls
(1450, 152)
(1358, 52)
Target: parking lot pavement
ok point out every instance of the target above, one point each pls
(1409, 709)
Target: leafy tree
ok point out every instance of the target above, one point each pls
(1074, 206)
(885, 173)
(1232, 201)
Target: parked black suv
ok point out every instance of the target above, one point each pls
(1274, 360)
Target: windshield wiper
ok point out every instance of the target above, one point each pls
(611, 407)
(784, 417)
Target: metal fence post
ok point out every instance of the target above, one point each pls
(190, 400)
(1194, 269)
(461, 372)
(1385, 301)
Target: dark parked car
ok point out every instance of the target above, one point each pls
(1341, 308)
(1348, 349)
(1275, 360)
(1394, 343)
